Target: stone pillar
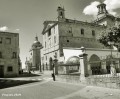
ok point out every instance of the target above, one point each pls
(83, 67)
(89, 69)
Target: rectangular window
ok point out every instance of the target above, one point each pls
(49, 42)
(49, 32)
(9, 68)
(54, 39)
(14, 55)
(93, 33)
(8, 40)
(0, 40)
(0, 54)
(82, 31)
(70, 30)
(45, 44)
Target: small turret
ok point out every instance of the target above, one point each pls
(61, 13)
(102, 10)
(36, 43)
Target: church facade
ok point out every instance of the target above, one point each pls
(34, 62)
(73, 34)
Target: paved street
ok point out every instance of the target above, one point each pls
(43, 90)
(49, 89)
(46, 88)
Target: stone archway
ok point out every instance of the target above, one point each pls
(51, 63)
(95, 64)
(73, 64)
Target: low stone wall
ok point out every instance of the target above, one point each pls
(110, 82)
(68, 78)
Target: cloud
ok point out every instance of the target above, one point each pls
(111, 5)
(91, 9)
(4, 28)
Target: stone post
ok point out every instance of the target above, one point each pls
(83, 67)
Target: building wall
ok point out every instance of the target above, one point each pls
(7, 50)
(109, 22)
(101, 53)
(68, 33)
(36, 58)
(50, 47)
(75, 38)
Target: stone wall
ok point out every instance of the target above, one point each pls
(7, 50)
(101, 82)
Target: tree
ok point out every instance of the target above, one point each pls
(112, 37)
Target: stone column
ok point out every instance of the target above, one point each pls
(83, 67)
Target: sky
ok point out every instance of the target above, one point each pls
(26, 17)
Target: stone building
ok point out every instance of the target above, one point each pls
(69, 34)
(36, 54)
(28, 65)
(9, 54)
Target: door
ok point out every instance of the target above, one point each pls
(1, 71)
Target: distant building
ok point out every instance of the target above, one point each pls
(28, 65)
(66, 34)
(36, 54)
(9, 54)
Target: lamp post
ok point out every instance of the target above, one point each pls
(55, 69)
(111, 44)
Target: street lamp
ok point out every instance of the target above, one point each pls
(111, 44)
(54, 66)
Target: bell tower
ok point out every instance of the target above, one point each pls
(61, 13)
(102, 10)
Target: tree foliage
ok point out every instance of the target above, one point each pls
(112, 36)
